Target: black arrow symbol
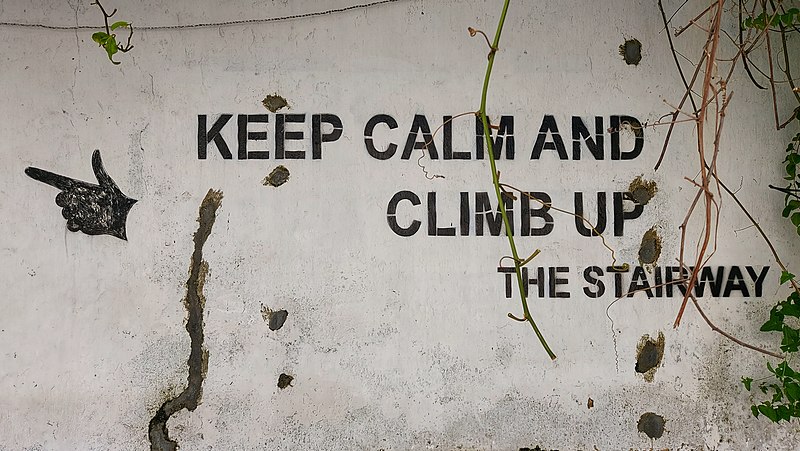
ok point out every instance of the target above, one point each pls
(91, 209)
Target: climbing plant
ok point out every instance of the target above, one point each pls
(107, 39)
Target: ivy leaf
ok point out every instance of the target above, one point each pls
(792, 391)
(100, 37)
(786, 275)
(783, 413)
(119, 24)
(768, 412)
(746, 381)
(796, 219)
(754, 409)
(774, 324)
(791, 339)
(111, 49)
(790, 310)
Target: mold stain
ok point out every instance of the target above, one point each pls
(275, 319)
(649, 354)
(642, 190)
(274, 102)
(652, 425)
(631, 51)
(284, 380)
(650, 248)
(277, 177)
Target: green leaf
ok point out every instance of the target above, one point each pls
(791, 170)
(786, 275)
(754, 409)
(775, 324)
(796, 219)
(792, 391)
(746, 381)
(783, 413)
(786, 212)
(791, 310)
(100, 37)
(119, 24)
(768, 412)
(111, 48)
(791, 339)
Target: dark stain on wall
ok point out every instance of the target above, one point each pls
(277, 177)
(274, 102)
(631, 51)
(651, 424)
(649, 354)
(194, 302)
(284, 380)
(650, 248)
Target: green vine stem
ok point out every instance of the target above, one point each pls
(495, 179)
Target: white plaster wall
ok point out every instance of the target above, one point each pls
(394, 343)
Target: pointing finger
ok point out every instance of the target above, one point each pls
(102, 177)
(55, 180)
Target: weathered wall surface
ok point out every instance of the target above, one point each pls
(393, 342)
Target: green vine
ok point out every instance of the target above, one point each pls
(481, 113)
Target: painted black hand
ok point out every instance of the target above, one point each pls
(88, 208)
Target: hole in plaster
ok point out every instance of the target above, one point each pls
(648, 356)
(651, 424)
(631, 51)
(277, 177)
(274, 102)
(650, 249)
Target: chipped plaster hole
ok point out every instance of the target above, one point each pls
(651, 424)
(648, 356)
(642, 190)
(650, 249)
(284, 380)
(590, 403)
(277, 177)
(631, 51)
(275, 319)
(274, 102)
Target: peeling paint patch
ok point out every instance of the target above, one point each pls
(194, 302)
(284, 380)
(274, 318)
(642, 190)
(651, 424)
(648, 356)
(277, 177)
(631, 51)
(650, 248)
(274, 102)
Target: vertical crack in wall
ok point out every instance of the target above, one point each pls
(194, 302)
